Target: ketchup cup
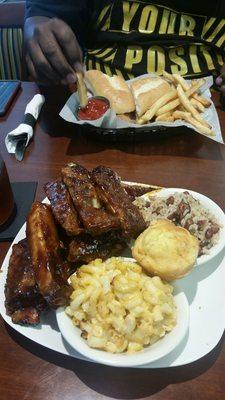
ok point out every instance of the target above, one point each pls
(97, 106)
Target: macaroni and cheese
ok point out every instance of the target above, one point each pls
(118, 307)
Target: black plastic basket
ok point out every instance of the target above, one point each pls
(130, 134)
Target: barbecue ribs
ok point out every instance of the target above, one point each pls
(23, 300)
(51, 271)
(87, 248)
(111, 192)
(94, 217)
(62, 207)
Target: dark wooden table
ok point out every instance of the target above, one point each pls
(28, 371)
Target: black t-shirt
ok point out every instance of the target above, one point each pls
(135, 37)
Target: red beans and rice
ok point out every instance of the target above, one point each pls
(184, 210)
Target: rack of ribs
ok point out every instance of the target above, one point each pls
(23, 300)
(111, 192)
(50, 270)
(86, 248)
(94, 217)
(62, 207)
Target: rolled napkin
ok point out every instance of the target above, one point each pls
(25, 129)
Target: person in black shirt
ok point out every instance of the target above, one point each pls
(124, 37)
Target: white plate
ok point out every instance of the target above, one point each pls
(204, 289)
(164, 346)
(211, 206)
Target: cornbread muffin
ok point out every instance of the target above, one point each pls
(166, 250)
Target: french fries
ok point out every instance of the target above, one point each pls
(167, 117)
(199, 106)
(168, 107)
(172, 105)
(192, 89)
(189, 107)
(181, 114)
(158, 104)
(188, 118)
(181, 81)
(181, 102)
(205, 102)
(82, 90)
(168, 76)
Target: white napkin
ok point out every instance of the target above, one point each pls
(32, 112)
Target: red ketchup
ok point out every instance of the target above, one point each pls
(93, 110)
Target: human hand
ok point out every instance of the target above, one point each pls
(51, 50)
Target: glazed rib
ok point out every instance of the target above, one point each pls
(50, 270)
(62, 207)
(26, 316)
(21, 290)
(87, 248)
(114, 196)
(94, 217)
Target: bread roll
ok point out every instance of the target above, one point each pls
(147, 91)
(113, 88)
(166, 250)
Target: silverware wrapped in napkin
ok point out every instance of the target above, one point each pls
(17, 140)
